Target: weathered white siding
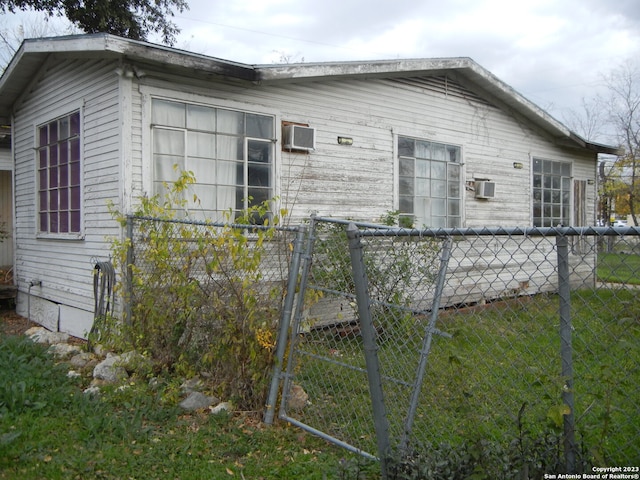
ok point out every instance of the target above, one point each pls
(64, 266)
(359, 181)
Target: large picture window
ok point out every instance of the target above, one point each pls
(59, 172)
(429, 183)
(551, 193)
(230, 153)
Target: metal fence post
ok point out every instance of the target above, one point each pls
(285, 321)
(564, 292)
(306, 256)
(369, 344)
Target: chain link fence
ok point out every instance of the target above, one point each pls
(417, 348)
(428, 347)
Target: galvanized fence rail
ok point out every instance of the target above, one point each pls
(407, 340)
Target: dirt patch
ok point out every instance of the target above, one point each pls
(10, 322)
(13, 324)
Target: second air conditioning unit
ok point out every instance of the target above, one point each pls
(298, 137)
(485, 189)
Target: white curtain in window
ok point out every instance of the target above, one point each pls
(168, 157)
(212, 143)
(201, 152)
(167, 113)
(229, 170)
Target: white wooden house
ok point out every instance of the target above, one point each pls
(97, 118)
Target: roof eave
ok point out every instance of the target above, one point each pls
(368, 69)
(33, 52)
(180, 58)
(463, 67)
(598, 147)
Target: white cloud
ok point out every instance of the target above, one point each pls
(553, 52)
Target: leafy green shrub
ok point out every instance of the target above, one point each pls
(198, 297)
(480, 459)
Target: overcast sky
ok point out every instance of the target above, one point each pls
(554, 52)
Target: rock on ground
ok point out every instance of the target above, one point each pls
(298, 398)
(197, 401)
(109, 370)
(63, 351)
(82, 359)
(221, 407)
(44, 336)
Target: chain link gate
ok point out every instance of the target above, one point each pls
(333, 345)
(540, 347)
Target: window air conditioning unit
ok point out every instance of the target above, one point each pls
(298, 137)
(485, 189)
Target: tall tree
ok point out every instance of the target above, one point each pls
(136, 19)
(592, 123)
(588, 121)
(623, 85)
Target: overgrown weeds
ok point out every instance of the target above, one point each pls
(200, 296)
(28, 379)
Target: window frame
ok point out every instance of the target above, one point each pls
(446, 199)
(72, 184)
(214, 212)
(552, 179)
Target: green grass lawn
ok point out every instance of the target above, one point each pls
(619, 268)
(492, 389)
(506, 358)
(49, 429)
(498, 379)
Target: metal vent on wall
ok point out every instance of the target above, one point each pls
(298, 137)
(485, 189)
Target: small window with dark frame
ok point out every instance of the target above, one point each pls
(551, 193)
(59, 172)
